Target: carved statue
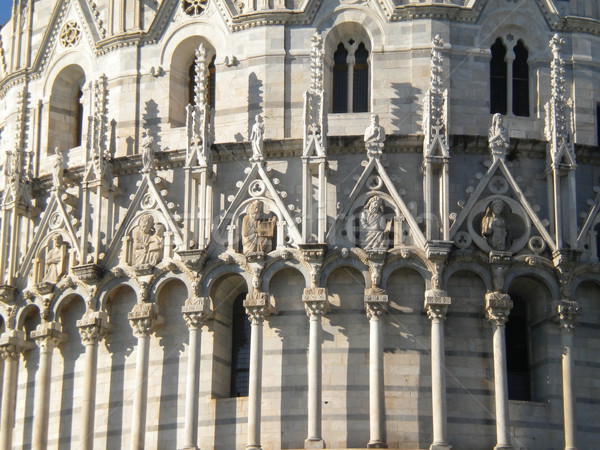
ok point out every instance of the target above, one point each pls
(257, 230)
(58, 170)
(147, 152)
(374, 228)
(56, 259)
(494, 226)
(498, 136)
(143, 238)
(374, 136)
(257, 138)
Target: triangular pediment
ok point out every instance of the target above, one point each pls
(498, 185)
(65, 12)
(148, 200)
(257, 187)
(57, 218)
(374, 181)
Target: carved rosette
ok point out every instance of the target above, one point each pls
(196, 311)
(92, 327)
(567, 312)
(48, 335)
(315, 301)
(497, 307)
(376, 302)
(257, 307)
(436, 304)
(142, 319)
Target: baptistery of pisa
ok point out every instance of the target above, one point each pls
(285, 224)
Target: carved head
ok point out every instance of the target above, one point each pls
(255, 209)
(57, 239)
(497, 207)
(146, 223)
(374, 119)
(375, 204)
(497, 121)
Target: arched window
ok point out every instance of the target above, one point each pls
(240, 349)
(517, 352)
(498, 78)
(66, 115)
(520, 80)
(211, 82)
(350, 77)
(515, 100)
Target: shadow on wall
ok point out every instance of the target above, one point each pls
(152, 122)
(255, 99)
(404, 113)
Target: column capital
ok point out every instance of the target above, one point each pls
(497, 307)
(13, 342)
(376, 301)
(567, 313)
(48, 335)
(258, 306)
(196, 311)
(436, 304)
(93, 327)
(315, 301)
(142, 318)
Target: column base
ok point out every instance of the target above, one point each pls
(377, 444)
(253, 447)
(190, 447)
(503, 447)
(314, 443)
(435, 446)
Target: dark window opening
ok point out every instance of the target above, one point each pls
(520, 81)
(360, 93)
(78, 118)
(498, 91)
(240, 349)
(598, 124)
(517, 353)
(340, 80)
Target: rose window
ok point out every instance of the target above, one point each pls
(70, 34)
(194, 7)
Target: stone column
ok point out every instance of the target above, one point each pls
(376, 306)
(436, 306)
(47, 335)
(11, 344)
(498, 307)
(93, 327)
(195, 312)
(566, 316)
(316, 304)
(258, 308)
(142, 318)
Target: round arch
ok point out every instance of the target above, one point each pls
(477, 269)
(349, 261)
(546, 278)
(282, 264)
(109, 289)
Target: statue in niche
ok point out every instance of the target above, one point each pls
(374, 136)
(498, 136)
(147, 152)
(148, 242)
(56, 260)
(374, 228)
(258, 229)
(257, 139)
(494, 225)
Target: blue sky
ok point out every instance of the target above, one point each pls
(5, 7)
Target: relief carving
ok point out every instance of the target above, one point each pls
(148, 242)
(55, 265)
(258, 229)
(498, 137)
(374, 227)
(494, 225)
